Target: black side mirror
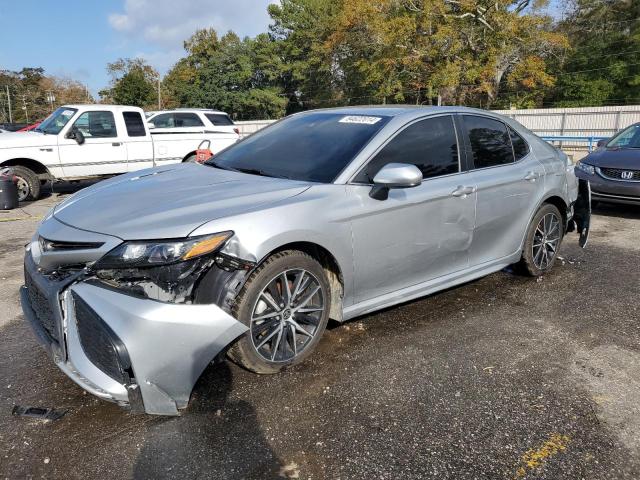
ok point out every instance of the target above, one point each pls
(602, 143)
(76, 135)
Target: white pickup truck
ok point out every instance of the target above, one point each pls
(83, 141)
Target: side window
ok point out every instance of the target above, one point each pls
(164, 120)
(218, 119)
(134, 124)
(520, 147)
(187, 120)
(490, 142)
(96, 125)
(429, 144)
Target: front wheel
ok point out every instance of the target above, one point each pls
(285, 304)
(543, 240)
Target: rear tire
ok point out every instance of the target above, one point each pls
(285, 321)
(543, 240)
(28, 183)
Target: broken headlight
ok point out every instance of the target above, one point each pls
(586, 168)
(154, 253)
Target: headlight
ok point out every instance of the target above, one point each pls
(586, 168)
(161, 252)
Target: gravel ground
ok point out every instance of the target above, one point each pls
(505, 377)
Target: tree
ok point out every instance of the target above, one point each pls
(133, 82)
(603, 64)
(239, 76)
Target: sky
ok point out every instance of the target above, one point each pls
(77, 38)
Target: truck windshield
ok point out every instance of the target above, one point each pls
(313, 147)
(56, 121)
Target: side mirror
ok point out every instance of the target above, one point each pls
(151, 125)
(395, 175)
(602, 143)
(76, 135)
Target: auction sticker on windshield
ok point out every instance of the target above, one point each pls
(362, 119)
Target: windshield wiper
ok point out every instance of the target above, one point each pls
(262, 173)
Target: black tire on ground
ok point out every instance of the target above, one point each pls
(28, 183)
(190, 159)
(244, 351)
(532, 262)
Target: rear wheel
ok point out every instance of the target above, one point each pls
(544, 237)
(28, 183)
(285, 305)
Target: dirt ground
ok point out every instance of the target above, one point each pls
(505, 377)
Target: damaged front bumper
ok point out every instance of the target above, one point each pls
(140, 353)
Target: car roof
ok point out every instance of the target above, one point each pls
(406, 111)
(207, 110)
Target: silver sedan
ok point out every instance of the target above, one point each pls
(136, 284)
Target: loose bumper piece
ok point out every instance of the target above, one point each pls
(156, 351)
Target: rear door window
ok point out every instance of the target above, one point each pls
(520, 147)
(134, 123)
(218, 119)
(489, 141)
(187, 120)
(430, 144)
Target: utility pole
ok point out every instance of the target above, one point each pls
(159, 96)
(9, 102)
(86, 91)
(51, 98)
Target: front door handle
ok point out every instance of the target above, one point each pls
(463, 191)
(531, 176)
(116, 144)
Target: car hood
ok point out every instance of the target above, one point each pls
(26, 139)
(615, 158)
(170, 202)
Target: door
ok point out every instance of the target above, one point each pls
(103, 151)
(419, 233)
(510, 183)
(175, 135)
(139, 144)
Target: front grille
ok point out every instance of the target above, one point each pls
(42, 307)
(617, 174)
(100, 344)
(55, 245)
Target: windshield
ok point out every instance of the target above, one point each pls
(628, 138)
(56, 121)
(313, 147)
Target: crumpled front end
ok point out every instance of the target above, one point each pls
(139, 352)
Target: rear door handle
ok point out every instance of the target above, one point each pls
(531, 176)
(462, 191)
(116, 144)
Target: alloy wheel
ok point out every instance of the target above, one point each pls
(23, 189)
(286, 315)
(546, 240)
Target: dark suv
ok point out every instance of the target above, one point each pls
(614, 168)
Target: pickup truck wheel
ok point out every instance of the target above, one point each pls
(28, 183)
(285, 304)
(543, 240)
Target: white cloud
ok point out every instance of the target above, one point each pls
(167, 23)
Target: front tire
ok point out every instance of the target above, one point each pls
(285, 304)
(543, 240)
(28, 183)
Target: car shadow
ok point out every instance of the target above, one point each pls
(630, 212)
(218, 436)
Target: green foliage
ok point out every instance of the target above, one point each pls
(133, 82)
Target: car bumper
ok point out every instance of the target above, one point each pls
(140, 353)
(615, 191)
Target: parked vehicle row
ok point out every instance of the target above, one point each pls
(324, 214)
(83, 141)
